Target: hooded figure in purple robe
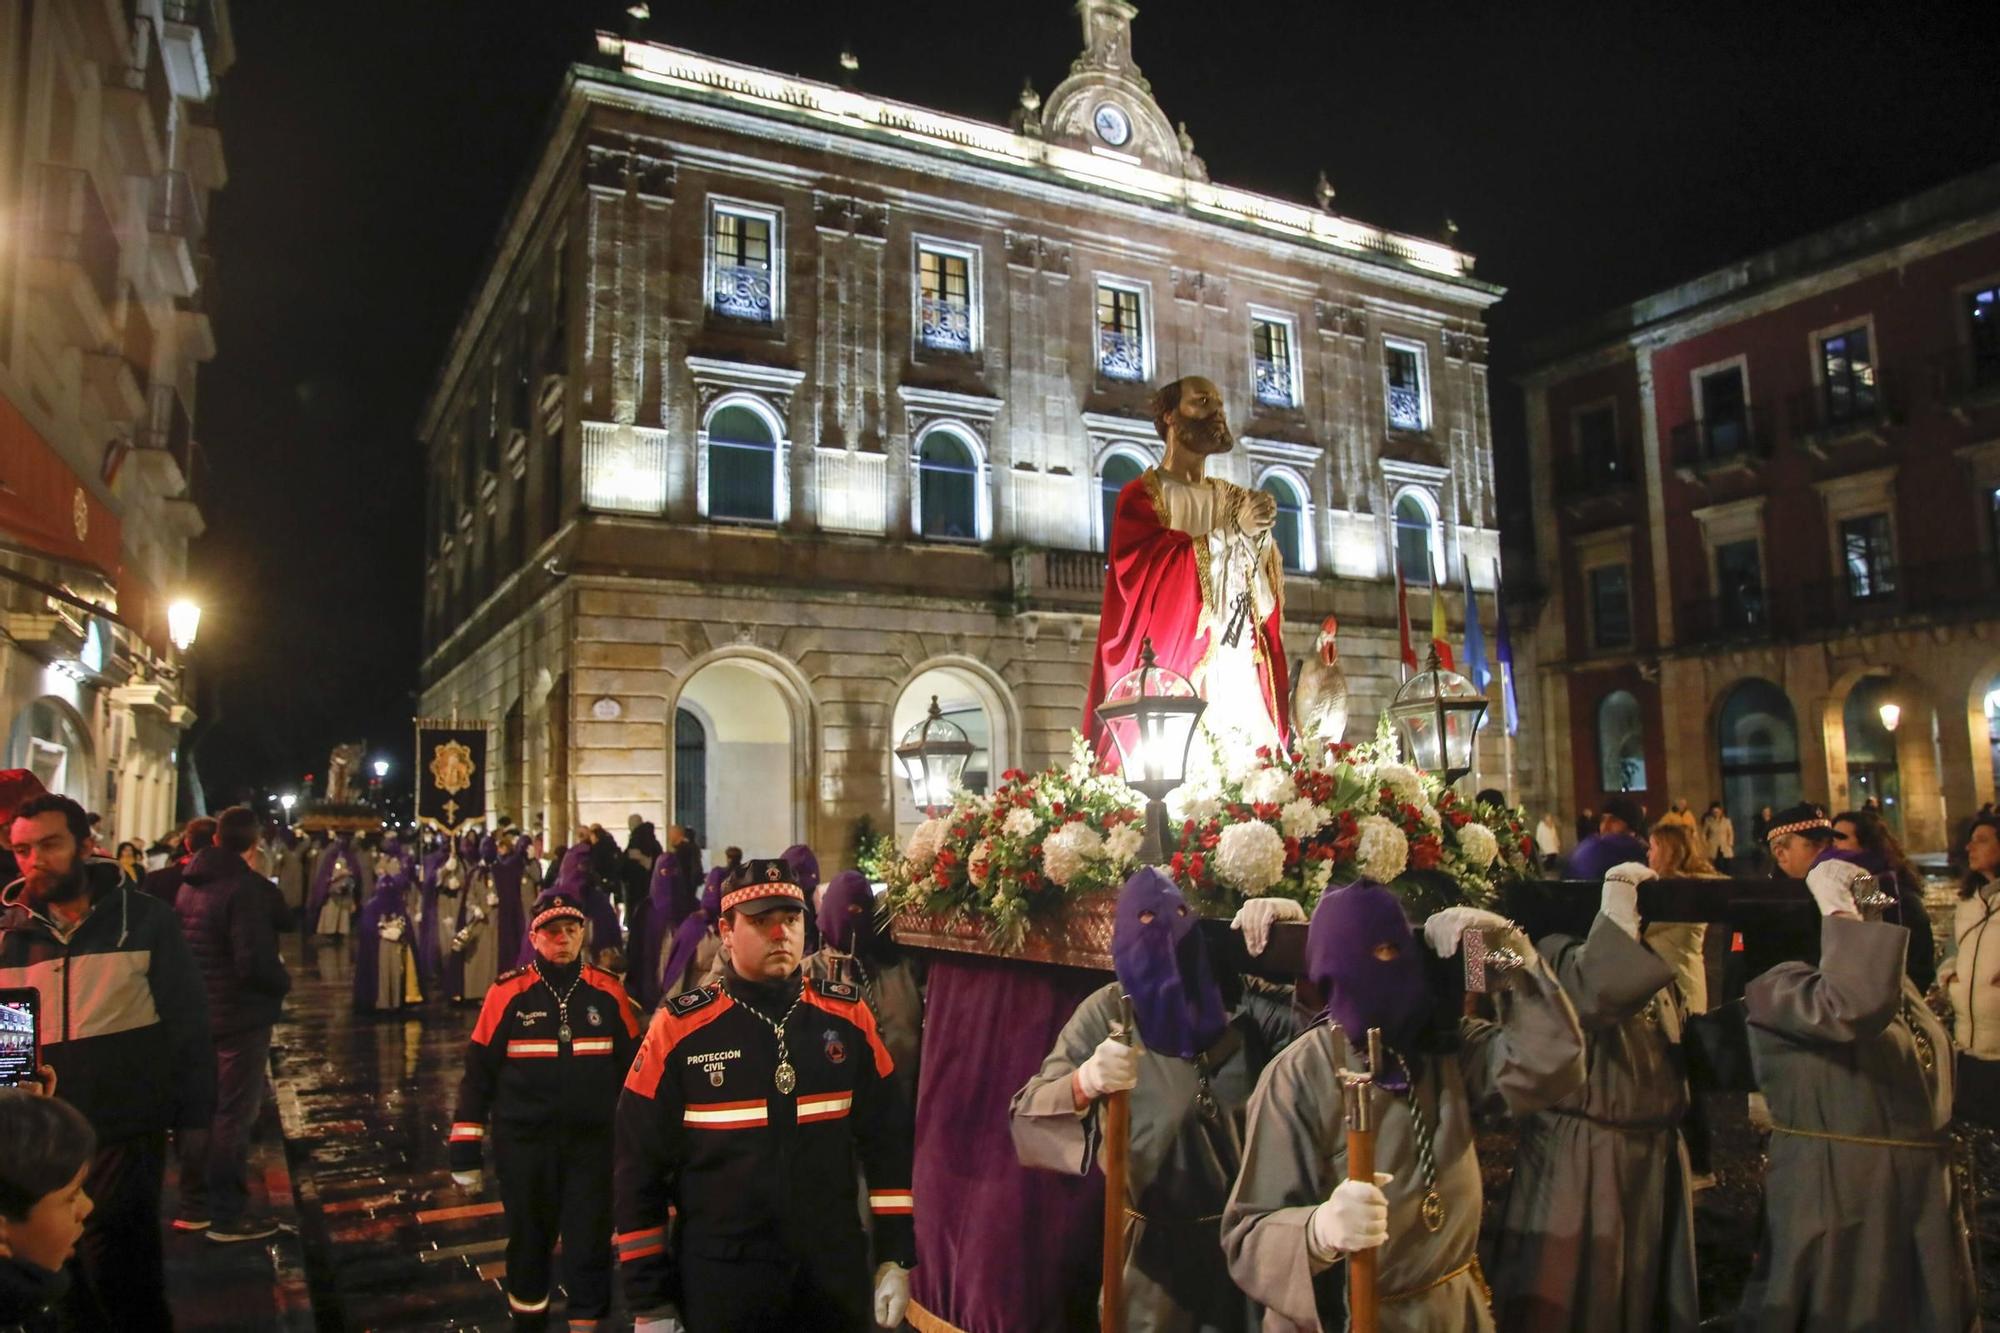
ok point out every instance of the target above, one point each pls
(1361, 952)
(383, 942)
(681, 970)
(338, 871)
(847, 916)
(805, 869)
(510, 917)
(1162, 962)
(673, 896)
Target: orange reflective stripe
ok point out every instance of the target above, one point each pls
(832, 1106)
(667, 1031)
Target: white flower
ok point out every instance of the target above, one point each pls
(1429, 814)
(1065, 851)
(1200, 809)
(1477, 845)
(1381, 852)
(1318, 875)
(1020, 823)
(1301, 819)
(1401, 780)
(1250, 857)
(924, 843)
(1269, 786)
(981, 865)
(1121, 845)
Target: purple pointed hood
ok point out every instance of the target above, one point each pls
(1162, 962)
(1364, 991)
(574, 872)
(711, 893)
(804, 866)
(847, 913)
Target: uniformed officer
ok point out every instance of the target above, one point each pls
(751, 1104)
(552, 1041)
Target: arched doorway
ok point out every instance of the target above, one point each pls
(970, 700)
(1872, 770)
(48, 739)
(1621, 743)
(1990, 705)
(753, 776)
(1757, 735)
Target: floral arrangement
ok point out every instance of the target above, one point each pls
(1250, 823)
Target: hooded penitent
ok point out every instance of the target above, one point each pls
(805, 873)
(385, 904)
(1362, 990)
(688, 935)
(847, 914)
(336, 860)
(1162, 962)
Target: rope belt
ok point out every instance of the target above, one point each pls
(1863, 1140)
(1469, 1266)
(1644, 1127)
(1210, 1220)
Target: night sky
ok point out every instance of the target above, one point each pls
(1589, 154)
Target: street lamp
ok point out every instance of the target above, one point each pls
(933, 754)
(381, 769)
(1434, 706)
(1891, 715)
(1151, 712)
(183, 620)
(288, 801)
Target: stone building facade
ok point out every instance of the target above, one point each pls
(1768, 510)
(105, 176)
(782, 408)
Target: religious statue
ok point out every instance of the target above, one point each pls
(1319, 702)
(343, 769)
(1191, 566)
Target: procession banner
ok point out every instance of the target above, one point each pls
(451, 772)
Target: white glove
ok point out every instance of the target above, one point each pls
(1112, 1067)
(1832, 885)
(1621, 894)
(665, 1323)
(1356, 1217)
(1256, 916)
(892, 1294)
(466, 1180)
(1446, 928)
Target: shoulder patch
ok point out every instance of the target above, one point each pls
(689, 1001)
(836, 990)
(512, 972)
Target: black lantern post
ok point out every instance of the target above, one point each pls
(933, 754)
(1151, 712)
(1438, 714)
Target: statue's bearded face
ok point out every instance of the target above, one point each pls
(1198, 423)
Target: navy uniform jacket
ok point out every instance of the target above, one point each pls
(753, 1172)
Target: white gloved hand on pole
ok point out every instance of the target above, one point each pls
(1832, 886)
(665, 1323)
(1256, 917)
(1621, 894)
(892, 1294)
(466, 1180)
(1354, 1217)
(1112, 1067)
(1445, 930)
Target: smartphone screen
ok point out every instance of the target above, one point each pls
(19, 1032)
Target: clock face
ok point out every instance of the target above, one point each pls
(1111, 125)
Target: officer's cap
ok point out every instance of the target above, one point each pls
(765, 886)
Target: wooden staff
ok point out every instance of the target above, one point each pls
(1362, 1265)
(1117, 1160)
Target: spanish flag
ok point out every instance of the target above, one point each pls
(1439, 642)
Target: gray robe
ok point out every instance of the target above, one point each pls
(1857, 1236)
(478, 940)
(1181, 1164)
(895, 997)
(1598, 1235)
(1296, 1153)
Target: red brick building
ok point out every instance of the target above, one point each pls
(1768, 512)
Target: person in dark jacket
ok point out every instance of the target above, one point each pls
(1620, 837)
(46, 1149)
(165, 883)
(225, 911)
(125, 1027)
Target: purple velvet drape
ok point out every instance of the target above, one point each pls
(1000, 1248)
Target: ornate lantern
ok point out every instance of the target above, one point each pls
(1438, 714)
(933, 754)
(1151, 712)
(183, 620)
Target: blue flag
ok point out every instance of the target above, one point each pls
(1475, 639)
(1505, 651)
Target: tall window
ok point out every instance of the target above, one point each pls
(690, 771)
(1414, 560)
(1725, 412)
(1759, 743)
(1289, 531)
(1621, 743)
(1271, 361)
(742, 466)
(1121, 333)
(1739, 584)
(1868, 552)
(1597, 444)
(1610, 608)
(1982, 313)
(1118, 470)
(1403, 365)
(1847, 369)
(1871, 749)
(948, 487)
(944, 300)
(742, 248)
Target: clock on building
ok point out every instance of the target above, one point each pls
(1111, 125)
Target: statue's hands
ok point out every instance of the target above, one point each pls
(1257, 513)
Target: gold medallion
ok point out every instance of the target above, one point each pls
(1432, 1210)
(787, 1078)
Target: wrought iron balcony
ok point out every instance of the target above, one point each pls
(1943, 590)
(72, 227)
(1583, 478)
(1406, 407)
(945, 326)
(1273, 382)
(743, 291)
(1706, 445)
(1963, 381)
(1121, 356)
(1816, 417)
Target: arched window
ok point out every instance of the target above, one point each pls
(1289, 532)
(947, 487)
(742, 465)
(1871, 749)
(1119, 469)
(1758, 738)
(690, 771)
(1621, 743)
(1416, 558)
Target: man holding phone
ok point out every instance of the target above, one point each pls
(124, 1023)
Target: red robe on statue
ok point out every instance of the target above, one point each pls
(1153, 588)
